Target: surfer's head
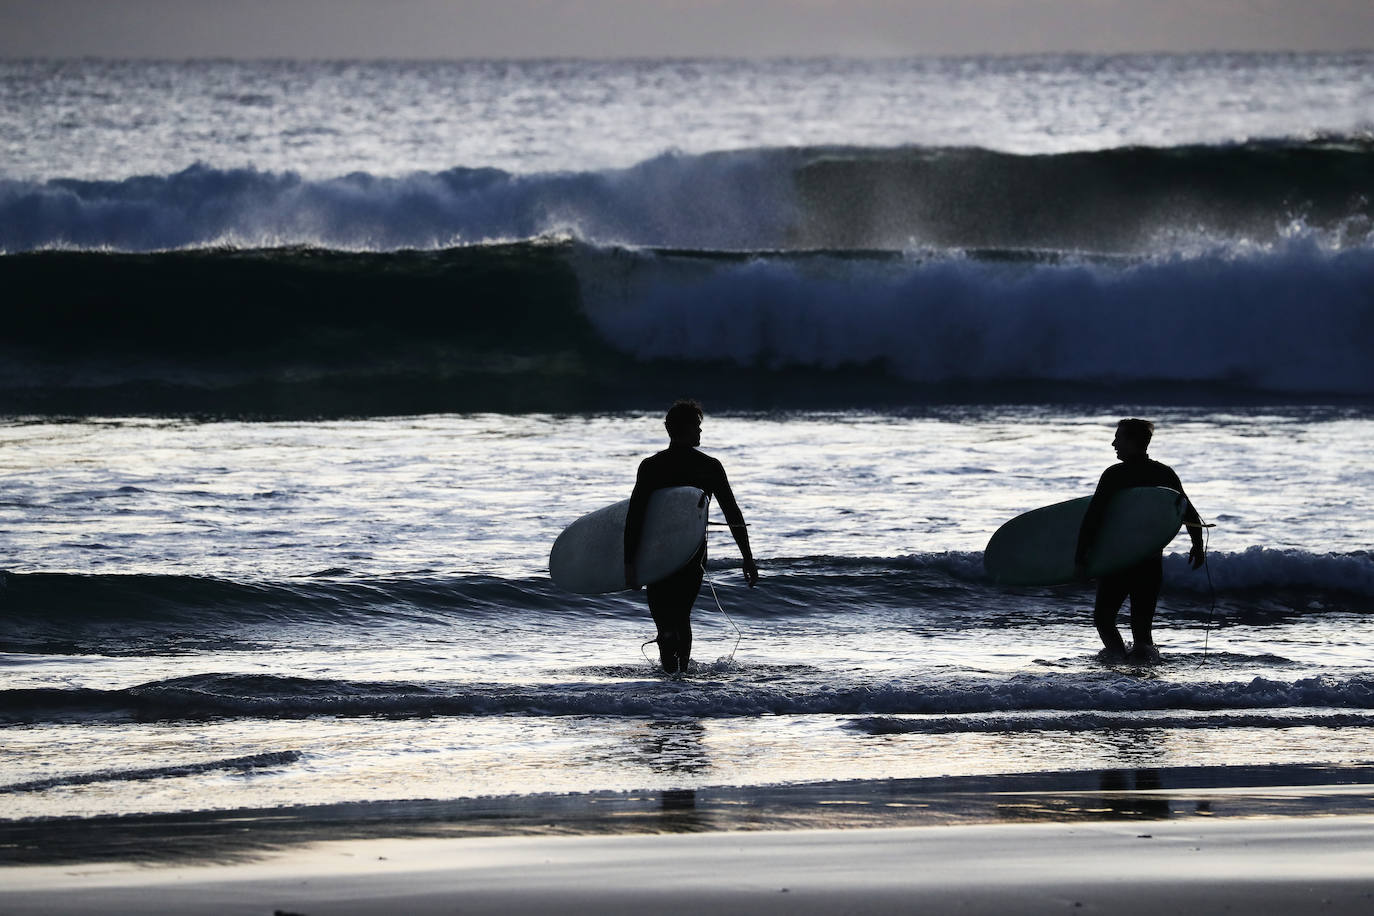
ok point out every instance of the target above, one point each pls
(1133, 438)
(683, 423)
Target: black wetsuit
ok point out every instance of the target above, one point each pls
(1142, 581)
(671, 599)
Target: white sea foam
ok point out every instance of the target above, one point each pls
(1270, 568)
(1296, 318)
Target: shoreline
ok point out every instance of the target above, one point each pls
(1165, 795)
(1259, 865)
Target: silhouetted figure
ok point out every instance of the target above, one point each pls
(681, 465)
(1141, 582)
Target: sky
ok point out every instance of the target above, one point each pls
(669, 28)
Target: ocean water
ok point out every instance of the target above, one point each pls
(305, 365)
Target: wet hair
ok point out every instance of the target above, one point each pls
(1141, 431)
(683, 416)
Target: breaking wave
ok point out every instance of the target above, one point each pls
(567, 326)
(1127, 200)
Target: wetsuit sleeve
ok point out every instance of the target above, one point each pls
(730, 509)
(1107, 485)
(634, 519)
(1190, 516)
(720, 486)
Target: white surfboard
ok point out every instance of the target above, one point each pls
(589, 556)
(1037, 547)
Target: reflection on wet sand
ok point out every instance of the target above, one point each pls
(673, 746)
(1143, 794)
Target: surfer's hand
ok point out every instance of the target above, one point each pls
(1197, 556)
(631, 576)
(751, 572)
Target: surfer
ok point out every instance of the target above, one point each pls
(681, 465)
(1140, 582)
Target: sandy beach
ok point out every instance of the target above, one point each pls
(1264, 865)
(1206, 841)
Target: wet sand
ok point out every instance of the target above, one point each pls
(1193, 840)
(1263, 865)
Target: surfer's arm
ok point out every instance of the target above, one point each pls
(1193, 522)
(730, 509)
(1190, 516)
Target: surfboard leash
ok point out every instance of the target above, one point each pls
(1211, 589)
(728, 619)
(719, 607)
(716, 597)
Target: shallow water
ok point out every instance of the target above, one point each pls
(245, 615)
(214, 599)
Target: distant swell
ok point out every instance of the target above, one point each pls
(835, 197)
(200, 697)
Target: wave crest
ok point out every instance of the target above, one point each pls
(1126, 200)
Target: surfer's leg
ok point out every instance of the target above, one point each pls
(684, 640)
(1111, 594)
(669, 642)
(663, 608)
(670, 603)
(674, 635)
(1145, 582)
(693, 574)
